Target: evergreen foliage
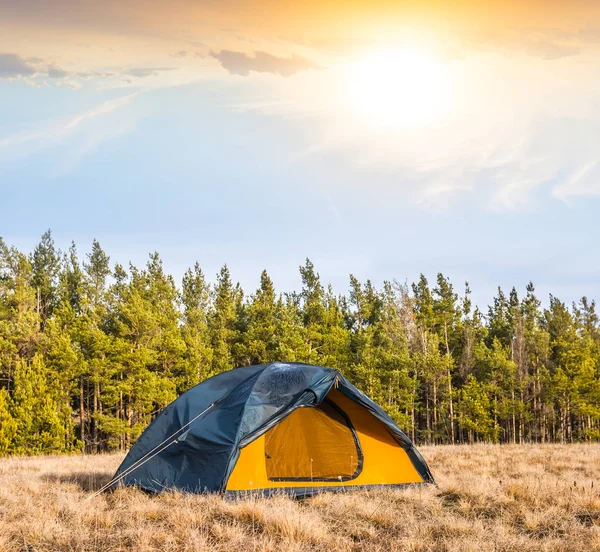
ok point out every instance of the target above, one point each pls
(90, 353)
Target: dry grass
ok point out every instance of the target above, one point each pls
(525, 498)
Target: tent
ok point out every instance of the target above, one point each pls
(279, 427)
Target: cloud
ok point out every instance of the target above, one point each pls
(143, 72)
(13, 66)
(546, 44)
(585, 181)
(549, 44)
(55, 131)
(437, 195)
(181, 54)
(56, 72)
(78, 135)
(551, 50)
(101, 109)
(240, 63)
(591, 35)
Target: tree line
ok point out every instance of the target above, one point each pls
(90, 353)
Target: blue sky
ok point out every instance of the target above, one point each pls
(484, 166)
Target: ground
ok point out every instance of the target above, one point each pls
(523, 498)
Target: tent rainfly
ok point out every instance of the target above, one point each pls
(280, 427)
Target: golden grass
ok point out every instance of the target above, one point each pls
(490, 498)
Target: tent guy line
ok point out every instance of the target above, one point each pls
(138, 464)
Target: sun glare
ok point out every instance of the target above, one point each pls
(403, 88)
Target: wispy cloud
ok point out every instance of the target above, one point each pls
(50, 134)
(240, 63)
(584, 181)
(143, 72)
(101, 109)
(439, 196)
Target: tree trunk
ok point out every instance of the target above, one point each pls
(514, 419)
(121, 417)
(94, 418)
(521, 428)
(81, 413)
(435, 421)
(449, 375)
(427, 415)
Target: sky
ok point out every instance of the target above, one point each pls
(384, 139)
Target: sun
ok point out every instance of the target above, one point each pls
(399, 88)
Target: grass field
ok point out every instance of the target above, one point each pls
(525, 498)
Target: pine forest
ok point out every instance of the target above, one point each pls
(90, 352)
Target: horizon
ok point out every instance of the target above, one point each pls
(251, 282)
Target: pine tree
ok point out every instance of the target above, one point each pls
(8, 349)
(392, 359)
(163, 297)
(62, 361)
(499, 372)
(46, 265)
(289, 336)
(472, 336)
(259, 342)
(93, 375)
(222, 322)
(474, 412)
(428, 360)
(8, 425)
(364, 316)
(39, 425)
(20, 322)
(313, 311)
(335, 349)
(195, 298)
(499, 321)
(447, 316)
(536, 351)
(97, 271)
